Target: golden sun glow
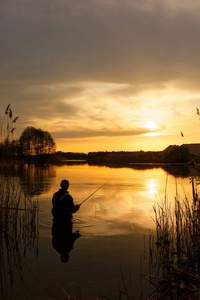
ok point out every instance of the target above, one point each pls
(151, 126)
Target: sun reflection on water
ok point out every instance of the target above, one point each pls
(152, 186)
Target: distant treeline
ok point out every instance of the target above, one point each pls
(43, 149)
(172, 154)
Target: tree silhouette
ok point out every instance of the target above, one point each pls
(36, 142)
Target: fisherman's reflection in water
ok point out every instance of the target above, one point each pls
(63, 208)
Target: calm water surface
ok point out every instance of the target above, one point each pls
(113, 225)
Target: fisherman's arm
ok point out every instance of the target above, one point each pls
(74, 208)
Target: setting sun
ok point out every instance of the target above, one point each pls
(151, 126)
(120, 95)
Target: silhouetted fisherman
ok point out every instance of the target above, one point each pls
(63, 208)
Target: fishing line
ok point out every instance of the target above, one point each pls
(95, 191)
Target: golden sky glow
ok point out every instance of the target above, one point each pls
(103, 75)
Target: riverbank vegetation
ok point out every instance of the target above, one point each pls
(33, 143)
(18, 213)
(174, 252)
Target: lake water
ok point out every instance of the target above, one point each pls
(114, 225)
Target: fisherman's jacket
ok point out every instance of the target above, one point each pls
(63, 205)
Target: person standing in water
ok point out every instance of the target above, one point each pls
(63, 209)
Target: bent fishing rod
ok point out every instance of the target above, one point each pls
(95, 191)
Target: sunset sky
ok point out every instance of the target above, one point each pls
(103, 74)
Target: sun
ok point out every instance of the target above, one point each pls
(151, 126)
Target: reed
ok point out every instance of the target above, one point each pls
(174, 251)
(18, 214)
(7, 128)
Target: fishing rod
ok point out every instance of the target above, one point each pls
(95, 191)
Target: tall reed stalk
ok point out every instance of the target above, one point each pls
(7, 128)
(174, 252)
(18, 213)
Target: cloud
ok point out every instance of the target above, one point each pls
(100, 68)
(86, 132)
(42, 106)
(109, 41)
